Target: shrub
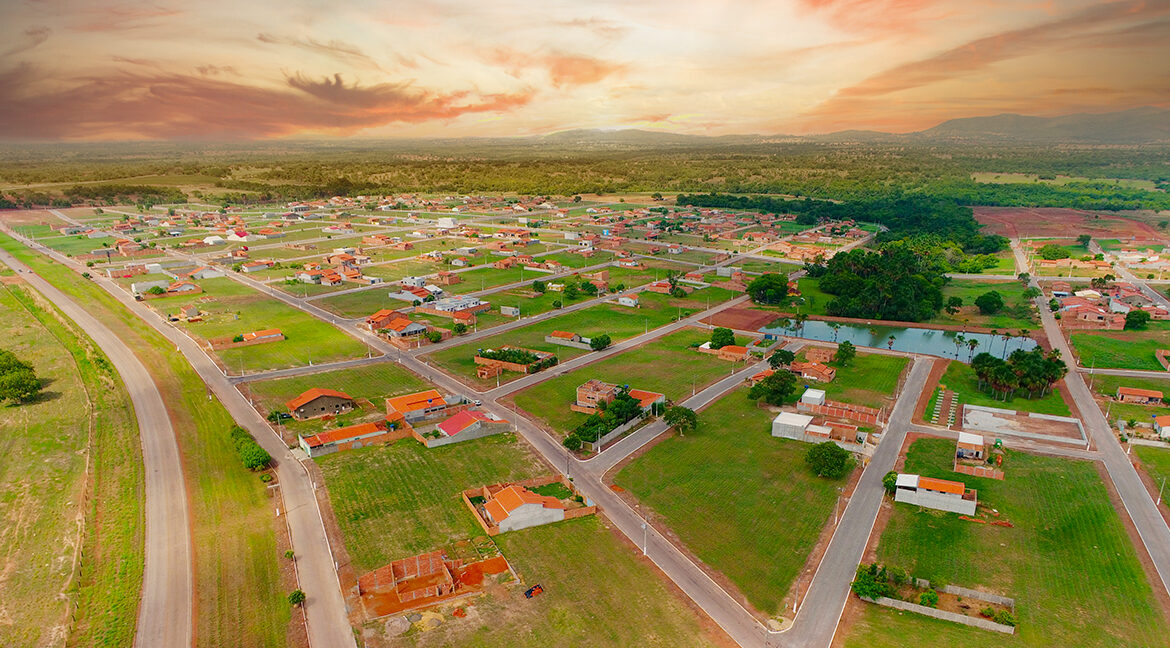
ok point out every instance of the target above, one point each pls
(599, 342)
(890, 482)
(988, 612)
(289, 553)
(156, 290)
(929, 598)
(251, 454)
(1005, 617)
(870, 582)
(238, 338)
(296, 597)
(828, 460)
(266, 477)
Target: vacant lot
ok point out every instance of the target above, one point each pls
(960, 379)
(233, 309)
(618, 322)
(778, 502)
(1039, 222)
(1107, 386)
(654, 367)
(869, 380)
(1017, 313)
(82, 411)
(1067, 561)
(1122, 349)
(1156, 462)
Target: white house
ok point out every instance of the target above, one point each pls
(516, 507)
(813, 397)
(213, 240)
(628, 300)
(790, 425)
(940, 494)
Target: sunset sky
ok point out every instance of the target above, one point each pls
(213, 69)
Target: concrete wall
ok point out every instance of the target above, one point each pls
(596, 446)
(485, 429)
(569, 343)
(939, 501)
(530, 515)
(977, 622)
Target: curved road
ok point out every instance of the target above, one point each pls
(165, 608)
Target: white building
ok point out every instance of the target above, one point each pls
(790, 425)
(516, 507)
(940, 494)
(813, 397)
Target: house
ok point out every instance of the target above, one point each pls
(790, 425)
(381, 319)
(565, 335)
(424, 580)
(1140, 396)
(516, 507)
(256, 266)
(733, 353)
(205, 272)
(1162, 425)
(592, 392)
(970, 446)
(823, 355)
(813, 371)
(940, 494)
(318, 402)
(757, 377)
(348, 438)
(402, 327)
(510, 311)
(415, 407)
(628, 300)
(140, 287)
(267, 335)
(183, 287)
(189, 312)
(813, 397)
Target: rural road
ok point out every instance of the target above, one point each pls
(325, 611)
(1148, 521)
(166, 604)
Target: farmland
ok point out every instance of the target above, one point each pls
(960, 378)
(778, 501)
(45, 445)
(1061, 514)
(1122, 350)
(652, 367)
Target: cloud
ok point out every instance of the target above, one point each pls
(33, 36)
(333, 49)
(607, 29)
(130, 105)
(123, 17)
(871, 15)
(563, 70)
(212, 70)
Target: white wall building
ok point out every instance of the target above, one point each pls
(940, 494)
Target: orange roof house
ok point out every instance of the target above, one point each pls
(813, 371)
(1135, 395)
(516, 507)
(413, 407)
(351, 437)
(318, 402)
(733, 352)
(266, 334)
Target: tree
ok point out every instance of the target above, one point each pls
(828, 459)
(1136, 320)
(589, 288)
(684, 419)
(459, 329)
(989, 303)
(721, 337)
(1084, 240)
(254, 457)
(435, 337)
(846, 352)
(18, 380)
(769, 288)
(599, 342)
(1052, 252)
(1024, 278)
(781, 358)
(296, 597)
(929, 598)
(538, 286)
(774, 389)
(890, 482)
(157, 290)
(571, 292)
(953, 305)
(1032, 292)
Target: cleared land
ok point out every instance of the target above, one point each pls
(1040, 222)
(1017, 313)
(1022, 178)
(869, 380)
(1123, 349)
(231, 308)
(1067, 561)
(690, 482)
(49, 493)
(960, 378)
(239, 593)
(652, 367)
(1156, 462)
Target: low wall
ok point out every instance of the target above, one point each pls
(980, 471)
(226, 343)
(485, 430)
(596, 446)
(833, 409)
(569, 343)
(509, 366)
(977, 622)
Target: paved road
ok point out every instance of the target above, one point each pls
(325, 611)
(820, 611)
(1150, 524)
(165, 610)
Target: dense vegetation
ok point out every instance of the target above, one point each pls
(891, 284)
(18, 380)
(540, 166)
(1031, 371)
(518, 356)
(622, 409)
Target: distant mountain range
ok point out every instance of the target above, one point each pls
(1134, 126)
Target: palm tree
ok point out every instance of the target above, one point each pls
(972, 344)
(890, 342)
(991, 340)
(958, 340)
(836, 326)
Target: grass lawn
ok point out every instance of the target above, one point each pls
(232, 308)
(1156, 461)
(362, 303)
(653, 367)
(1067, 562)
(960, 378)
(814, 301)
(1107, 386)
(44, 444)
(238, 591)
(597, 594)
(489, 277)
(1123, 349)
(760, 267)
(618, 322)
(869, 380)
(400, 500)
(1017, 313)
(571, 260)
(779, 503)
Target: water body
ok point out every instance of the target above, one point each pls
(911, 339)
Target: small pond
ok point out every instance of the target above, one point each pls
(910, 339)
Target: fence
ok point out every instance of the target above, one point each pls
(596, 446)
(944, 615)
(841, 410)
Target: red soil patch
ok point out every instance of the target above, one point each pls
(1040, 222)
(742, 319)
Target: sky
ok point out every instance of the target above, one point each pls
(261, 69)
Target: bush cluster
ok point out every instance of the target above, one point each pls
(251, 454)
(622, 409)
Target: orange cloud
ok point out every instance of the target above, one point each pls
(135, 106)
(563, 69)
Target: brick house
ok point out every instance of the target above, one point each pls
(1139, 396)
(417, 406)
(318, 402)
(813, 371)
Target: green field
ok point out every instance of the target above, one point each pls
(869, 380)
(1067, 562)
(619, 322)
(960, 379)
(762, 541)
(1156, 462)
(1107, 386)
(238, 589)
(232, 308)
(1017, 178)
(1122, 349)
(1017, 313)
(760, 267)
(45, 444)
(653, 367)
